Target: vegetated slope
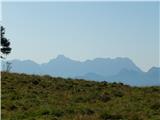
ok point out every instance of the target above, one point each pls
(30, 97)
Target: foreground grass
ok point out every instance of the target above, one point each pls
(30, 97)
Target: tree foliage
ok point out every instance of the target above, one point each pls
(5, 44)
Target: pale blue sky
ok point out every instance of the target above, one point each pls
(83, 30)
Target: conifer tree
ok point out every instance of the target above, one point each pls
(5, 44)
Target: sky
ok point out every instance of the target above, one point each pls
(83, 30)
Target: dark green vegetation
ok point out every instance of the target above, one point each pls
(5, 44)
(30, 97)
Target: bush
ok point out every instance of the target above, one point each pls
(107, 116)
(70, 110)
(35, 82)
(105, 97)
(118, 93)
(50, 111)
(87, 111)
(155, 106)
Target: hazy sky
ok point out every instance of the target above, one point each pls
(83, 30)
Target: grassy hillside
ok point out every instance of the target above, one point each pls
(30, 97)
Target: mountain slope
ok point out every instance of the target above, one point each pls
(130, 77)
(32, 97)
(26, 66)
(137, 78)
(63, 66)
(101, 69)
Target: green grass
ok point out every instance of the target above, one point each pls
(31, 97)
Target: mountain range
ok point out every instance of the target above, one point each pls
(119, 69)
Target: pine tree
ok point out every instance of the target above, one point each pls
(5, 44)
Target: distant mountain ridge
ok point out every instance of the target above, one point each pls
(100, 69)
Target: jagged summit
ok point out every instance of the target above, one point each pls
(61, 57)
